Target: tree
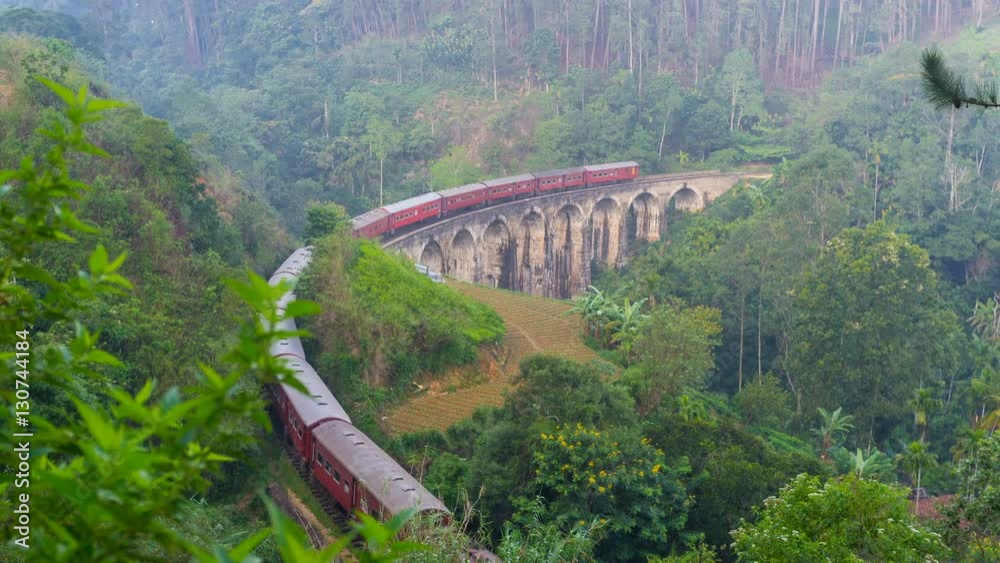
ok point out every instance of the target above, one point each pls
(615, 477)
(943, 87)
(832, 429)
(453, 170)
(764, 402)
(384, 140)
(843, 519)
(923, 404)
(870, 286)
(914, 459)
(674, 351)
(624, 325)
(324, 219)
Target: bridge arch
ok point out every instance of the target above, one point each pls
(605, 231)
(643, 218)
(530, 245)
(497, 254)
(462, 258)
(432, 256)
(568, 246)
(687, 199)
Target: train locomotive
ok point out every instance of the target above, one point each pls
(435, 205)
(357, 473)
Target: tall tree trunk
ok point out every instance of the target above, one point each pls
(777, 44)
(493, 41)
(815, 36)
(822, 33)
(597, 20)
(193, 40)
(381, 179)
(836, 43)
(630, 52)
(743, 301)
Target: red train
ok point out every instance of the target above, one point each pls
(357, 473)
(434, 205)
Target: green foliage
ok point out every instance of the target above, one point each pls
(871, 285)
(625, 483)
(674, 351)
(536, 539)
(110, 483)
(764, 402)
(567, 392)
(453, 170)
(733, 470)
(325, 219)
(388, 316)
(846, 519)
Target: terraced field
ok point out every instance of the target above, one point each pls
(534, 325)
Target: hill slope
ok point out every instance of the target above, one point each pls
(534, 325)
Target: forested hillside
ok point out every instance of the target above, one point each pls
(344, 101)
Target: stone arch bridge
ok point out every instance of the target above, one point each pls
(545, 245)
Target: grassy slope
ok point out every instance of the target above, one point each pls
(534, 325)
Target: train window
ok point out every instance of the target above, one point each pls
(336, 475)
(319, 457)
(326, 466)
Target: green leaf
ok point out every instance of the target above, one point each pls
(101, 357)
(63, 92)
(302, 308)
(99, 427)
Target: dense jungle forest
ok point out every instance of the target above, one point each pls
(808, 369)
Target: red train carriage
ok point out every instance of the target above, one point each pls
(413, 210)
(371, 224)
(461, 197)
(560, 179)
(510, 187)
(611, 172)
(361, 476)
(300, 412)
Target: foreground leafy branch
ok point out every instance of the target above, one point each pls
(112, 484)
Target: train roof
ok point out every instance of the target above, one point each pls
(461, 190)
(319, 404)
(296, 262)
(412, 202)
(369, 217)
(560, 172)
(508, 180)
(393, 487)
(610, 166)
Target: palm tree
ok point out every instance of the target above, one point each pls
(691, 409)
(625, 327)
(913, 460)
(682, 157)
(985, 319)
(591, 306)
(758, 197)
(923, 404)
(872, 464)
(831, 429)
